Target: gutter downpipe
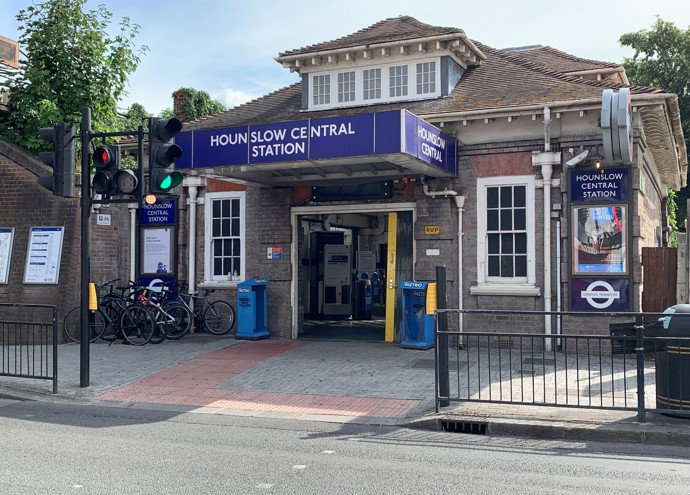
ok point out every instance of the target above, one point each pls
(459, 203)
(193, 191)
(546, 160)
(558, 279)
(132, 240)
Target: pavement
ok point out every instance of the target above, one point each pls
(329, 380)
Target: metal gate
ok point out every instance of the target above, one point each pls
(28, 342)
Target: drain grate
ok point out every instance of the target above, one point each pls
(464, 427)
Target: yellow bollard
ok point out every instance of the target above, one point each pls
(431, 298)
(93, 298)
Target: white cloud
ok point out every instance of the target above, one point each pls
(232, 97)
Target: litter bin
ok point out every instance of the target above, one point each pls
(418, 306)
(673, 362)
(252, 309)
(362, 306)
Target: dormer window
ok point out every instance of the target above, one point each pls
(426, 78)
(397, 81)
(322, 89)
(372, 83)
(394, 61)
(346, 87)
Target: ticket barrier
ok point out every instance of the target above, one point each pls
(418, 306)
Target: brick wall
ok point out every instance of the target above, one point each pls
(25, 204)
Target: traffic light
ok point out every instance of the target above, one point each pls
(109, 179)
(61, 159)
(162, 154)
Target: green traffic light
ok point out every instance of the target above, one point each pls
(171, 181)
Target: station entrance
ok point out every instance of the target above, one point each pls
(347, 262)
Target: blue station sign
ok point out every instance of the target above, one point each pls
(599, 186)
(382, 133)
(162, 212)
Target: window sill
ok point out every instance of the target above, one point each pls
(505, 290)
(219, 285)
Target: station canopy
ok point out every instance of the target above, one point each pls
(345, 149)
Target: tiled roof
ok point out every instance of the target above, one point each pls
(503, 80)
(556, 59)
(393, 29)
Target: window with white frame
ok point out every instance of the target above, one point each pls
(371, 79)
(397, 80)
(346, 87)
(225, 248)
(322, 89)
(505, 232)
(426, 78)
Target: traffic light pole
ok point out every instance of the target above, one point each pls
(84, 356)
(86, 203)
(173, 153)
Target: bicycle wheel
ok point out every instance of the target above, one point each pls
(219, 318)
(112, 311)
(183, 320)
(72, 325)
(160, 323)
(136, 325)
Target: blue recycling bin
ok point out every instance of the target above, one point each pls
(252, 309)
(418, 305)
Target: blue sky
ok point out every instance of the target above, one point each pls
(227, 48)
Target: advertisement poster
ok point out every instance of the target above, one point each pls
(43, 256)
(599, 234)
(6, 239)
(157, 250)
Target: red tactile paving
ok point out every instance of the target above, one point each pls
(193, 383)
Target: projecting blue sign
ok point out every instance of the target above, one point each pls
(396, 131)
(597, 186)
(160, 213)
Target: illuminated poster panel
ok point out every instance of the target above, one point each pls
(600, 239)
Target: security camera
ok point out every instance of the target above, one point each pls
(577, 159)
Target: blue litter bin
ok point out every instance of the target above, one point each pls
(418, 305)
(252, 309)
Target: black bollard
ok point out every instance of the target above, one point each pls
(442, 351)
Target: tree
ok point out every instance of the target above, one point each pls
(135, 116)
(71, 63)
(197, 104)
(662, 59)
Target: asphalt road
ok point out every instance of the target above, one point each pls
(49, 448)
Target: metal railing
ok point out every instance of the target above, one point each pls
(28, 342)
(634, 366)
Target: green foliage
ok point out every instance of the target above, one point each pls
(136, 115)
(662, 59)
(72, 63)
(672, 218)
(197, 104)
(166, 113)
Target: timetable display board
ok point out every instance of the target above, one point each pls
(44, 255)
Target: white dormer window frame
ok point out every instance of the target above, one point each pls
(346, 86)
(375, 84)
(426, 77)
(321, 89)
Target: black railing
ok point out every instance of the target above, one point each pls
(28, 342)
(640, 365)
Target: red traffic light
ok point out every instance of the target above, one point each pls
(103, 157)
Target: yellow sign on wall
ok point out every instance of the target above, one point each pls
(432, 229)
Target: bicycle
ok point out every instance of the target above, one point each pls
(172, 319)
(117, 317)
(217, 317)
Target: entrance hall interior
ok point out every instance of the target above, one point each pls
(349, 265)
